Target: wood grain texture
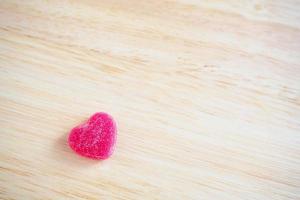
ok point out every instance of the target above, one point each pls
(206, 95)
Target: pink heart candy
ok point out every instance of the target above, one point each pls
(95, 138)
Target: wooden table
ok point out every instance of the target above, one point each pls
(206, 95)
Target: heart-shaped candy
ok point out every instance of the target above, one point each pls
(96, 138)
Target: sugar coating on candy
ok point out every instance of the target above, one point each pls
(96, 138)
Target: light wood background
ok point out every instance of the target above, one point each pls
(206, 95)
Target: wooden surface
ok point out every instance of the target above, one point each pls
(206, 95)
